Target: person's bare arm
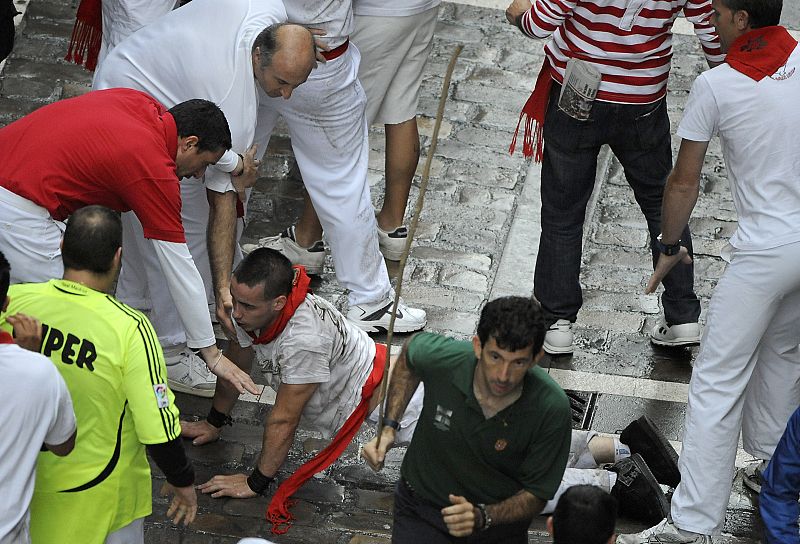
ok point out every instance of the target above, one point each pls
(65, 447)
(27, 331)
(278, 436)
(463, 517)
(221, 240)
(401, 388)
(680, 196)
(225, 397)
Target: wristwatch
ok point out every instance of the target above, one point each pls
(668, 249)
(487, 519)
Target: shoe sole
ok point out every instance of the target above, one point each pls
(370, 327)
(553, 350)
(651, 433)
(178, 386)
(677, 342)
(750, 484)
(391, 255)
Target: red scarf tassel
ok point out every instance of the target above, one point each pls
(534, 112)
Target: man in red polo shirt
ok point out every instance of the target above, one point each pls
(121, 149)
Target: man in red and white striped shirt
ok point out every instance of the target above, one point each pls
(629, 42)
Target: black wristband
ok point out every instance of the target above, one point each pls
(218, 419)
(257, 482)
(388, 422)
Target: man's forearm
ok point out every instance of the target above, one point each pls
(523, 505)
(221, 238)
(278, 437)
(402, 385)
(680, 196)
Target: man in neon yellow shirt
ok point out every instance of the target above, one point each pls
(110, 359)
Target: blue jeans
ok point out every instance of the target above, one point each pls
(639, 136)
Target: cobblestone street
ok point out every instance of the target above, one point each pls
(477, 240)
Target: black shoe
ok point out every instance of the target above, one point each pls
(644, 438)
(637, 491)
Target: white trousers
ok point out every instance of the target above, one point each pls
(30, 239)
(746, 378)
(132, 533)
(141, 284)
(328, 129)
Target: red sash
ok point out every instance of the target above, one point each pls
(6, 338)
(278, 511)
(535, 110)
(87, 34)
(761, 52)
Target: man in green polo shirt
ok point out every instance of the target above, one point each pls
(493, 438)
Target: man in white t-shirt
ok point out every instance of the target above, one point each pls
(747, 374)
(36, 410)
(319, 363)
(251, 51)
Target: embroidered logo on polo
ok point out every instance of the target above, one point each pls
(442, 418)
(501, 444)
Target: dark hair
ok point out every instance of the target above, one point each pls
(93, 235)
(267, 43)
(585, 514)
(5, 278)
(761, 12)
(204, 119)
(267, 266)
(514, 322)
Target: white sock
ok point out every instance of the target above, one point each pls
(621, 451)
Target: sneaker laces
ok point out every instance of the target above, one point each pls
(199, 365)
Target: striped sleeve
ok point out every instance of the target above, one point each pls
(545, 16)
(699, 12)
(150, 401)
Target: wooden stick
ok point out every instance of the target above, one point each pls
(412, 229)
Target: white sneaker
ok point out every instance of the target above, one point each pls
(685, 334)
(393, 243)
(374, 317)
(188, 373)
(664, 532)
(313, 258)
(558, 340)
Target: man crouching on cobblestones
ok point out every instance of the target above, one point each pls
(493, 438)
(323, 368)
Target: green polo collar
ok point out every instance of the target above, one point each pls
(464, 375)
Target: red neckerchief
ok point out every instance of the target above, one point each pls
(87, 34)
(278, 513)
(535, 110)
(300, 288)
(6, 338)
(760, 52)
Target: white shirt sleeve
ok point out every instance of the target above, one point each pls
(701, 115)
(63, 425)
(186, 287)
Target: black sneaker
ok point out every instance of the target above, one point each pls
(644, 438)
(637, 491)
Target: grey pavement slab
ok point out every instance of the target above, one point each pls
(478, 239)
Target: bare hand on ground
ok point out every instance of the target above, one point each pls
(459, 518)
(200, 432)
(27, 331)
(232, 485)
(183, 505)
(664, 265)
